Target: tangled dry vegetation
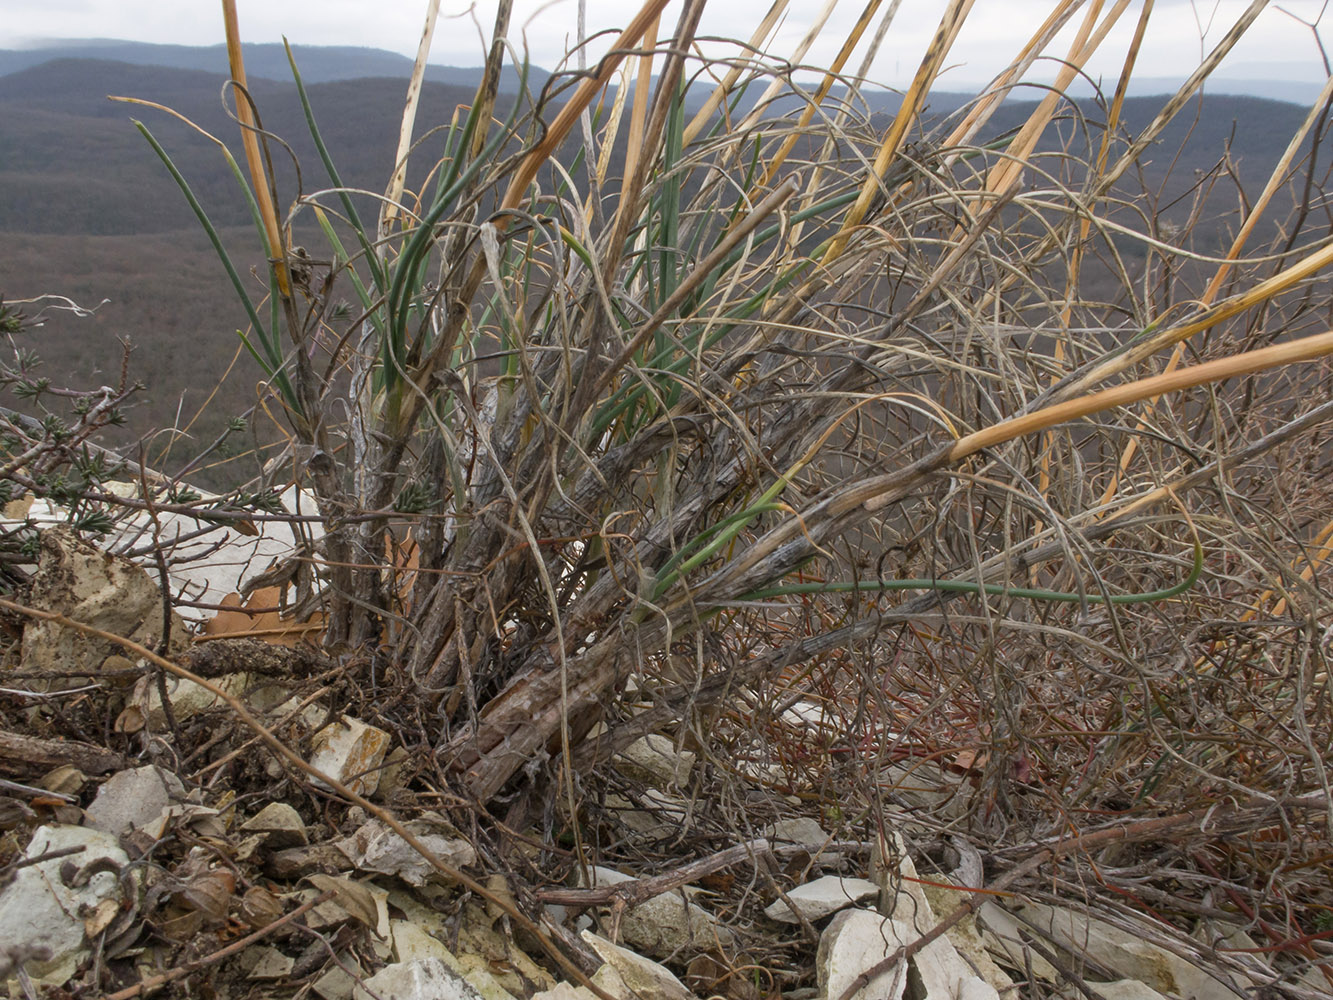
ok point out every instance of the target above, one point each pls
(912, 477)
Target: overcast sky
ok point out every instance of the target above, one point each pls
(1179, 30)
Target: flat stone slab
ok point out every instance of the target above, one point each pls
(668, 925)
(816, 900)
(133, 800)
(42, 919)
(424, 979)
(630, 975)
(857, 940)
(654, 760)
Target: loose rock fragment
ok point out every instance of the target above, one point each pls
(41, 923)
(293, 862)
(76, 579)
(654, 760)
(1127, 989)
(138, 799)
(425, 979)
(186, 697)
(852, 943)
(377, 848)
(64, 780)
(662, 818)
(1123, 953)
(628, 975)
(799, 830)
(565, 991)
(953, 965)
(266, 963)
(419, 937)
(282, 824)
(857, 940)
(339, 980)
(350, 752)
(667, 924)
(816, 900)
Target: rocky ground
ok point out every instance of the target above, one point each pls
(235, 820)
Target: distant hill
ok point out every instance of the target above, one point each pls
(87, 209)
(317, 63)
(1292, 82)
(71, 162)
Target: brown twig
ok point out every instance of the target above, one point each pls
(31, 754)
(633, 893)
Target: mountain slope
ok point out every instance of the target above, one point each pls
(317, 63)
(88, 210)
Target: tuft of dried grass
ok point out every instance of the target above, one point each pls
(679, 422)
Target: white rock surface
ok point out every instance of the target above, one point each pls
(856, 940)
(1126, 954)
(654, 760)
(337, 982)
(201, 568)
(816, 900)
(412, 943)
(424, 979)
(495, 966)
(266, 963)
(663, 817)
(967, 941)
(667, 925)
(78, 580)
(565, 991)
(628, 975)
(350, 752)
(40, 914)
(1127, 989)
(186, 697)
(377, 848)
(1003, 937)
(281, 823)
(801, 831)
(134, 799)
(955, 965)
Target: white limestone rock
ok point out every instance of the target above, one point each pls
(375, 847)
(853, 942)
(1127, 989)
(135, 799)
(280, 823)
(669, 924)
(629, 975)
(350, 752)
(186, 697)
(662, 818)
(1127, 955)
(423, 979)
(856, 940)
(41, 928)
(816, 900)
(76, 579)
(654, 760)
(801, 831)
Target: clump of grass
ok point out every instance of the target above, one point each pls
(719, 396)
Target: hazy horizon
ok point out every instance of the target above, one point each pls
(1276, 47)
